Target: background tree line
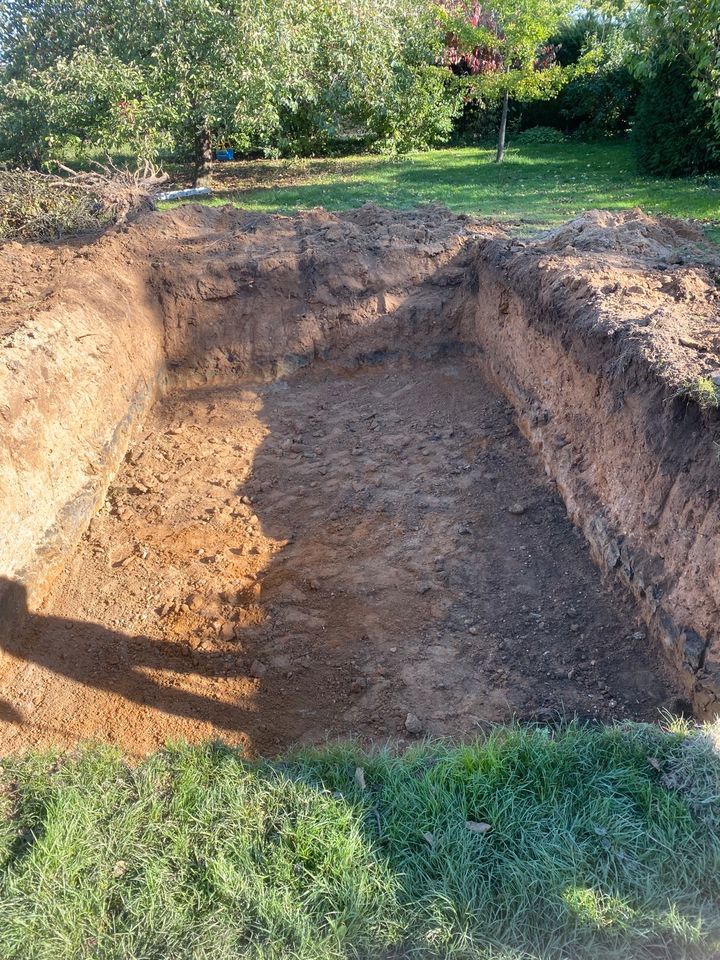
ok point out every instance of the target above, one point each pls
(312, 77)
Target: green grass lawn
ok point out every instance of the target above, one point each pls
(573, 844)
(538, 185)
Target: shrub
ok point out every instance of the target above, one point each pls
(539, 135)
(672, 131)
(600, 105)
(593, 105)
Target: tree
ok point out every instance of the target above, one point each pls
(187, 75)
(501, 48)
(172, 74)
(688, 30)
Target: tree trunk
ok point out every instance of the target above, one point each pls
(503, 127)
(203, 158)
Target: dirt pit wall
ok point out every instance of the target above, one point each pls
(590, 332)
(91, 335)
(596, 334)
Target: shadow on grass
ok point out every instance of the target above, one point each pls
(339, 853)
(539, 184)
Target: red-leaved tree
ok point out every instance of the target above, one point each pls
(501, 48)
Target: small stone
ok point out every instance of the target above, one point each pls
(516, 509)
(195, 601)
(423, 588)
(227, 631)
(413, 724)
(258, 669)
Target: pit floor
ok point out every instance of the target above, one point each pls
(318, 558)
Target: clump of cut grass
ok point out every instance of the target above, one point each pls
(702, 391)
(576, 843)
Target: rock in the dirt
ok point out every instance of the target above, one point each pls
(258, 669)
(517, 509)
(423, 588)
(195, 601)
(414, 724)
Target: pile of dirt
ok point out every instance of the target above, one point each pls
(634, 234)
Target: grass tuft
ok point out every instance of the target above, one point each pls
(702, 391)
(602, 843)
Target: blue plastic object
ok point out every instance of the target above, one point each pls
(228, 154)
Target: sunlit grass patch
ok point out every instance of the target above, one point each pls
(576, 844)
(537, 185)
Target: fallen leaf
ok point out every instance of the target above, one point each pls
(429, 839)
(654, 762)
(360, 778)
(474, 827)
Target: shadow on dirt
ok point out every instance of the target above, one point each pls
(96, 657)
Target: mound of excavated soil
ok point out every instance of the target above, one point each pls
(293, 554)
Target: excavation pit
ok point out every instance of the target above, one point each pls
(320, 557)
(284, 480)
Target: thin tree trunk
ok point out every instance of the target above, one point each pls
(203, 158)
(503, 127)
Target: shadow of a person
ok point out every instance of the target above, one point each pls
(107, 660)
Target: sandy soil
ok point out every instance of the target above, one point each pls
(320, 557)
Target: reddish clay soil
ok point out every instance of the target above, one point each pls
(317, 558)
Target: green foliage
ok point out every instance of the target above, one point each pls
(701, 390)
(598, 103)
(689, 30)
(539, 135)
(198, 853)
(263, 75)
(421, 113)
(677, 58)
(672, 130)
